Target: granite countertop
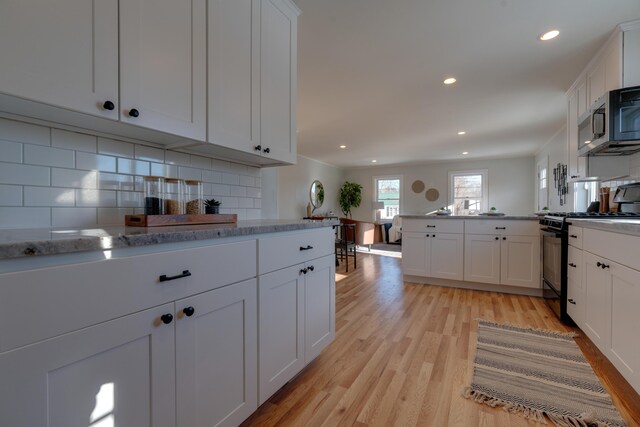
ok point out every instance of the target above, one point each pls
(510, 217)
(18, 243)
(624, 226)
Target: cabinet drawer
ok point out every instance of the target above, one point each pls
(575, 236)
(502, 227)
(574, 263)
(285, 250)
(621, 248)
(438, 225)
(43, 303)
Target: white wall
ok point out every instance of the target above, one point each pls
(293, 184)
(52, 177)
(510, 185)
(555, 151)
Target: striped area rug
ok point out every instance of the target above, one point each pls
(535, 373)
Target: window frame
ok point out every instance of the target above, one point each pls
(485, 187)
(376, 178)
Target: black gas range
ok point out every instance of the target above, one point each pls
(554, 228)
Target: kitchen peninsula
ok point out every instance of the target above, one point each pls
(164, 326)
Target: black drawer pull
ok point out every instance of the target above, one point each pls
(165, 278)
(266, 150)
(431, 226)
(571, 301)
(501, 228)
(572, 265)
(573, 236)
(303, 271)
(302, 248)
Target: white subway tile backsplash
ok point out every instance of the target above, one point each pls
(130, 199)
(12, 173)
(11, 130)
(74, 217)
(259, 182)
(113, 181)
(49, 196)
(72, 178)
(113, 216)
(96, 198)
(175, 158)
(229, 178)
(52, 177)
(25, 217)
(142, 152)
(48, 156)
(73, 140)
(133, 167)
(200, 162)
(10, 195)
(115, 148)
(189, 173)
(11, 151)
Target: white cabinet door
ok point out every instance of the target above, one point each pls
(319, 306)
(278, 71)
(624, 351)
(575, 290)
(447, 256)
(596, 81)
(575, 103)
(631, 58)
(62, 53)
(163, 65)
(582, 101)
(597, 283)
(120, 372)
(281, 328)
(520, 261)
(482, 258)
(414, 253)
(217, 356)
(233, 73)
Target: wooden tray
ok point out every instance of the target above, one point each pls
(166, 220)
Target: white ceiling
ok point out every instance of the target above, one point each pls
(370, 75)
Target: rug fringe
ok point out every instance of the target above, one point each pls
(529, 328)
(584, 420)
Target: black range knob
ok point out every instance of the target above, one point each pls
(188, 311)
(166, 318)
(108, 105)
(134, 113)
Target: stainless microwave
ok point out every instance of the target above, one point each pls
(611, 127)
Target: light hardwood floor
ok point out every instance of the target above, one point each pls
(403, 353)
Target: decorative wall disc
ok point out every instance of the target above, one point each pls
(432, 194)
(417, 186)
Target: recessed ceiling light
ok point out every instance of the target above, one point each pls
(449, 81)
(465, 153)
(462, 132)
(549, 35)
(343, 146)
(374, 161)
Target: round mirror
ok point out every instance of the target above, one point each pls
(316, 194)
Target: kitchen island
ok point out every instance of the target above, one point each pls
(160, 326)
(496, 253)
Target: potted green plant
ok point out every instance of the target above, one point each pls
(212, 206)
(350, 197)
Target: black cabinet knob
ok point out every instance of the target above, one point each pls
(266, 150)
(433, 235)
(258, 148)
(134, 113)
(504, 238)
(108, 105)
(303, 271)
(166, 318)
(497, 238)
(311, 268)
(188, 311)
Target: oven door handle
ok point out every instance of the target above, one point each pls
(554, 232)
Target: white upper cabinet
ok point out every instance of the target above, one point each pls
(631, 59)
(162, 65)
(62, 53)
(234, 73)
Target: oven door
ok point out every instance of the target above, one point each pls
(552, 259)
(552, 298)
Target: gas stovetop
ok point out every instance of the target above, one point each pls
(557, 220)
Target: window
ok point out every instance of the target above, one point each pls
(468, 193)
(388, 190)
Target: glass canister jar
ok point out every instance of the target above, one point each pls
(153, 195)
(193, 197)
(173, 196)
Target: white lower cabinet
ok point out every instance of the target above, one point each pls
(575, 288)
(118, 373)
(505, 260)
(296, 320)
(597, 284)
(437, 255)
